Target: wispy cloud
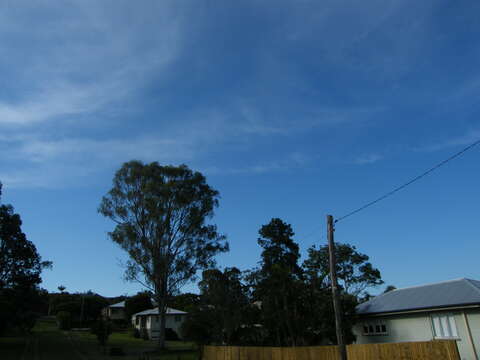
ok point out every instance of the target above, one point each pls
(368, 159)
(291, 161)
(81, 61)
(468, 138)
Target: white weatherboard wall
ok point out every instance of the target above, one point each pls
(152, 323)
(399, 329)
(418, 327)
(172, 321)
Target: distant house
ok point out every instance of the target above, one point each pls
(115, 311)
(149, 321)
(445, 310)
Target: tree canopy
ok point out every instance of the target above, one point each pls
(354, 272)
(139, 302)
(280, 303)
(20, 273)
(161, 215)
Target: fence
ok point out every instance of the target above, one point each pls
(426, 350)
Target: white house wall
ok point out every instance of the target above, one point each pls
(399, 329)
(170, 322)
(418, 327)
(153, 325)
(473, 317)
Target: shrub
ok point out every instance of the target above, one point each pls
(64, 320)
(102, 329)
(136, 333)
(171, 335)
(119, 324)
(144, 334)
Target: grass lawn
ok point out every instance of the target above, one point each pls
(11, 347)
(49, 343)
(133, 347)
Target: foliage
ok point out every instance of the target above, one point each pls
(139, 302)
(277, 284)
(199, 326)
(161, 214)
(279, 303)
(102, 329)
(20, 270)
(136, 333)
(171, 335)
(64, 320)
(225, 293)
(20, 263)
(355, 274)
(185, 302)
(91, 303)
(389, 288)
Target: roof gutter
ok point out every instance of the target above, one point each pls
(422, 310)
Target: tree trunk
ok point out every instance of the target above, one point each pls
(161, 314)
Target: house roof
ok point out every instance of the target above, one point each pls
(450, 293)
(154, 311)
(118, 305)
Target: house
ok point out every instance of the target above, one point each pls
(115, 311)
(149, 321)
(444, 310)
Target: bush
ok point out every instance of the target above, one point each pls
(119, 324)
(64, 320)
(171, 335)
(102, 329)
(144, 334)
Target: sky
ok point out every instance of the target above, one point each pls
(292, 109)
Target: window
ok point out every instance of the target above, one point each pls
(444, 326)
(377, 328)
(178, 318)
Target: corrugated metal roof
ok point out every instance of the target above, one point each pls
(443, 294)
(120, 304)
(169, 311)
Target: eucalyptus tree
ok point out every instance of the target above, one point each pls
(355, 273)
(161, 215)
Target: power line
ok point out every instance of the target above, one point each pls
(390, 193)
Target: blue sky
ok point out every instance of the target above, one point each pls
(292, 109)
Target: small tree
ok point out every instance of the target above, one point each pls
(161, 214)
(61, 288)
(64, 320)
(102, 329)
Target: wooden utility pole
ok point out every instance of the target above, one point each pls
(333, 277)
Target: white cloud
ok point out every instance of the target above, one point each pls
(368, 159)
(90, 56)
(468, 138)
(291, 161)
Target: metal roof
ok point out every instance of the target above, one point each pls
(443, 294)
(169, 311)
(120, 304)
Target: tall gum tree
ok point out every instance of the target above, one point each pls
(161, 215)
